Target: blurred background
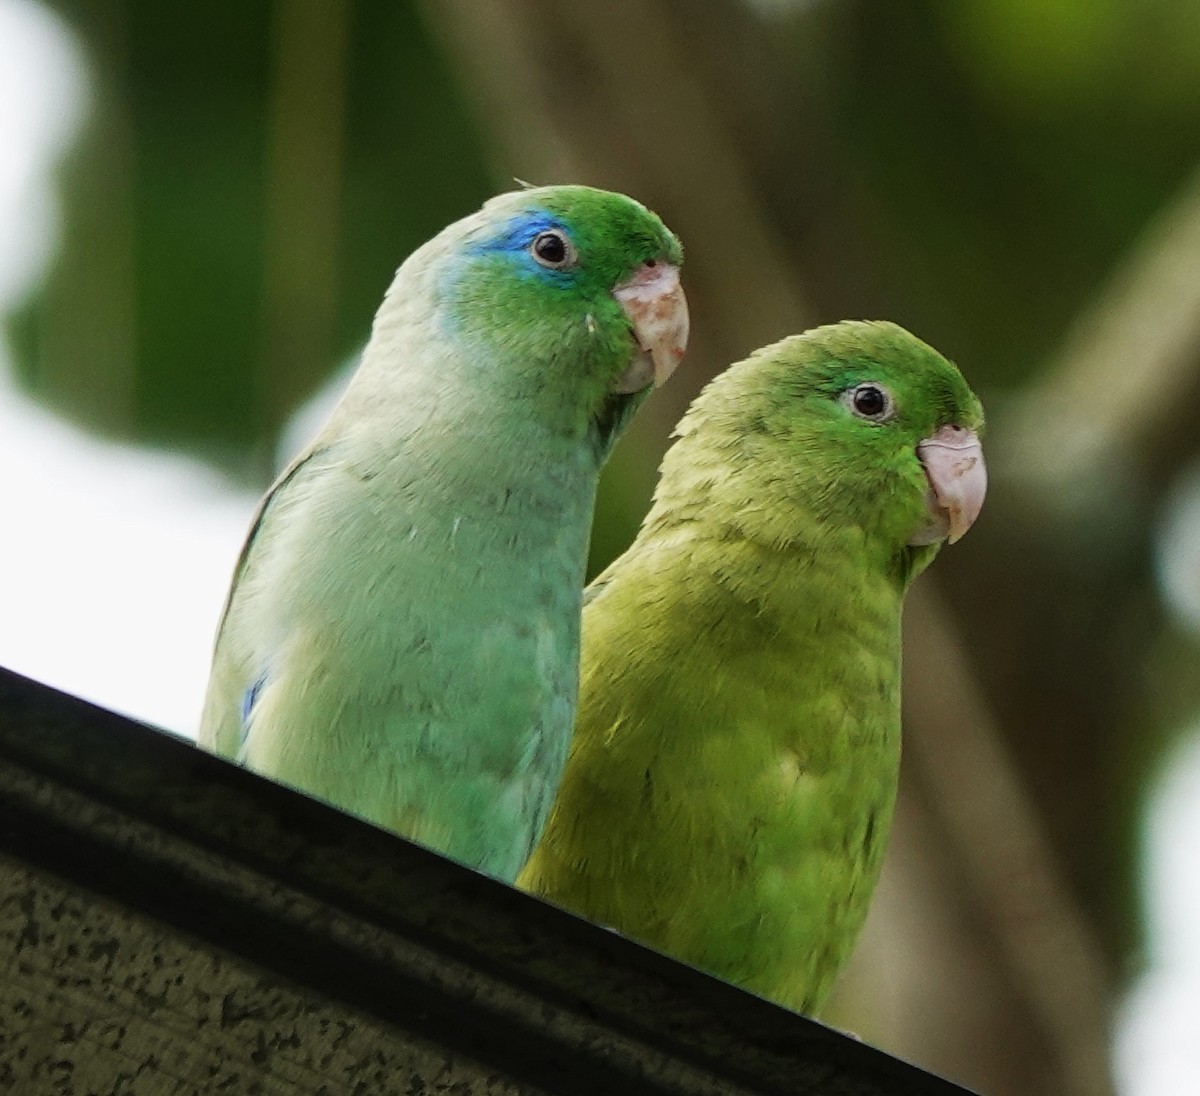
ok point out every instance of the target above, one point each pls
(201, 206)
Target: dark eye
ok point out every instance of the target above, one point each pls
(552, 248)
(869, 401)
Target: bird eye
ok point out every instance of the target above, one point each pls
(552, 248)
(870, 401)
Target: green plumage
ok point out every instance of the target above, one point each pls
(731, 781)
(401, 638)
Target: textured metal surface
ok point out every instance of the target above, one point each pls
(172, 924)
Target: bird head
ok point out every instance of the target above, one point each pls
(578, 291)
(853, 433)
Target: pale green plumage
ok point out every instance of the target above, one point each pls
(401, 637)
(731, 782)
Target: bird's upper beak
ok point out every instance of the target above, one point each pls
(953, 462)
(653, 299)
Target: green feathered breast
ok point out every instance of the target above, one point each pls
(731, 782)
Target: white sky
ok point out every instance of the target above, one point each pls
(114, 561)
(1158, 1034)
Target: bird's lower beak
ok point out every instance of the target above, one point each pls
(953, 462)
(654, 302)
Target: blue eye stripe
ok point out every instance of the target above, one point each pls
(506, 244)
(519, 233)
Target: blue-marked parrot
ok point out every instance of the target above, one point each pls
(401, 636)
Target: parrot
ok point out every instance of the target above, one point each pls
(731, 781)
(401, 634)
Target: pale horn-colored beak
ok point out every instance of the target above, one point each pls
(654, 302)
(953, 461)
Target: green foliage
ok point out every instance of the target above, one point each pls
(167, 206)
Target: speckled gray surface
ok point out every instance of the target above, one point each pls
(96, 999)
(173, 925)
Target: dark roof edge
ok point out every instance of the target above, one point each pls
(360, 915)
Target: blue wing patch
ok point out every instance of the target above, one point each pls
(249, 698)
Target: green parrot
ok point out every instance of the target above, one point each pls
(730, 785)
(401, 637)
